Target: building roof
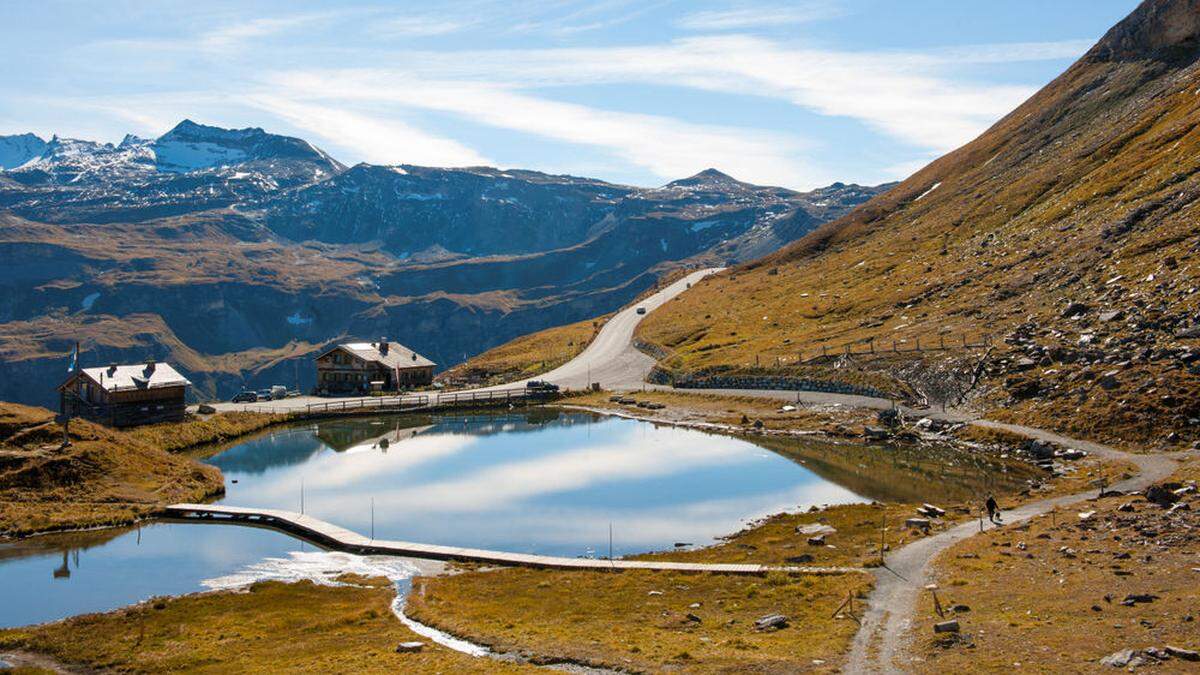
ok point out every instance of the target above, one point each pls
(150, 375)
(397, 356)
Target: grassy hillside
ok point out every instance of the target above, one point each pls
(105, 477)
(1066, 231)
(527, 356)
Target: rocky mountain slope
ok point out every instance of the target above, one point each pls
(1066, 232)
(239, 253)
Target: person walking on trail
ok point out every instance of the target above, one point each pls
(992, 509)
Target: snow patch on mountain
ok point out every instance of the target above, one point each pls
(182, 157)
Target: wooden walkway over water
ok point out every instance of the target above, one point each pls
(341, 539)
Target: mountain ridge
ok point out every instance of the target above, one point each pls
(263, 249)
(1063, 230)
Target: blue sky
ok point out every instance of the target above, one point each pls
(798, 93)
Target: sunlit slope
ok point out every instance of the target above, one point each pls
(1085, 194)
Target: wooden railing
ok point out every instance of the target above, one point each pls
(425, 401)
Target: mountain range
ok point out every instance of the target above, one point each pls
(238, 254)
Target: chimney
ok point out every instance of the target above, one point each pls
(112, 369)
(414, 356)
(383, 346)
(149, 367)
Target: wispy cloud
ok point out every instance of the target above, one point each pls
(419, 26)
(911, 96)
(742, 18)
(233, 35)
(374, 139)
(665, 146)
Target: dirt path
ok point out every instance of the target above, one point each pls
(879, 645)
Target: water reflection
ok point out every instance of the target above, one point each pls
(55, 576)
(547, 482)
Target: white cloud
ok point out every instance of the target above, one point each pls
(910, 96)
(418, 26)
(233, 35)
(668, 147)
(760, 17)
(375, 140)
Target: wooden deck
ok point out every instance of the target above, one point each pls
(334, 537)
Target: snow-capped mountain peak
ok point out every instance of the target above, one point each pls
(19, 149)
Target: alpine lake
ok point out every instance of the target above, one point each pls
(538, 480)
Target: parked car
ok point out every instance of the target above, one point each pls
(641, 310)
(540, 386)
(278, 392)
(245, 397)
(264, 394)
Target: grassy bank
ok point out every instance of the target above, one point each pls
(272, 627)
(527, 356)
(106, 476)
(1048, 594)
(646, 621)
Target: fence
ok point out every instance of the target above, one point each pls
(424, 401)
(872, 345)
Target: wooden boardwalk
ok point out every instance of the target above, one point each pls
(338, 538)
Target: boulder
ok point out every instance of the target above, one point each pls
(1181, 653)
(801, 559)
(875, 433)
(1123, 658)
(950, 626)
(917, 523)
(931, 511)
(1074, 309)
(409, 647)
(771, 622)
(206, 409)
(818, 540)
(1160, 495)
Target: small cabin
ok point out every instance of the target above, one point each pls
(363, 367)
(125, 395)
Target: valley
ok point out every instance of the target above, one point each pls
(241, 254)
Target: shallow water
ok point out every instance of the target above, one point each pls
(543, 481)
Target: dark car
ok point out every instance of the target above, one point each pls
(245, 397)
(540, 386)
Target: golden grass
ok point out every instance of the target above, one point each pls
(685, 407)
(105, 477)
(1021, 222)
(639, 620)
(273, 627)
(859, 530)
(1033, 604)
(529, 355)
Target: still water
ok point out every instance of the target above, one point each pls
(541, 482)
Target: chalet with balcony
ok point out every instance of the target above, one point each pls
(125, 395)
(363, 367)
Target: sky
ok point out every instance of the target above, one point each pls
(796, 93)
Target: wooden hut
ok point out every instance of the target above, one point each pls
(124, 396)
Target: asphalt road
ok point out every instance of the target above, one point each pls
(610, 359)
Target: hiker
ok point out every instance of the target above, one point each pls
(993, 510)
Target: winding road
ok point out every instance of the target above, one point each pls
(879, 646)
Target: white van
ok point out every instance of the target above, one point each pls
(278, 392)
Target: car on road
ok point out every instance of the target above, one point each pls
(641, 310)
(264, 394)
(278, 392)
(534, 386)
(245, 397)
